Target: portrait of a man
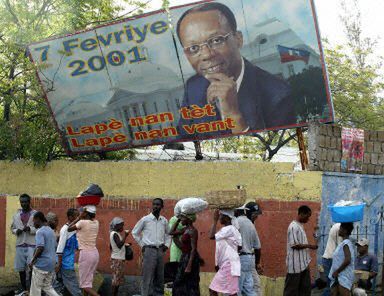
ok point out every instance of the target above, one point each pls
(253, 98)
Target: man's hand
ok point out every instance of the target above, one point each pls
(19, 231)
(224, 89)
(30, 265)
(188, 269)
(313, 247)
(164, 248)
(259, 269)
(335, 274)
(27, 229)
(298, 247)
(216, 215)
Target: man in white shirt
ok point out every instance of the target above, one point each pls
(152, 235)
(333, 241)
(298, 279)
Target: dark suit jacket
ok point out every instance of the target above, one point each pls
(264, 101)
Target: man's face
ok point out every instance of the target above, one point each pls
(74, 216)
(197, 28)
(37, 223)
(362, 249)
(25, 203)
(304, 218)
(53, 223)
(156, 206)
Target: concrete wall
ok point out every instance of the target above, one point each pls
(165, 179)
(130, 186)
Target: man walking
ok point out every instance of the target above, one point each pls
(250, 242)
(298, 279)
(334, 239)
(66, 249)
(152, 235)
(44, 259)
(253, 212)
(22, 227)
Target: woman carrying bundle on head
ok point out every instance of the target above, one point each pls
(117, 242)
(87, 229)
(227, 260)
(187, 277)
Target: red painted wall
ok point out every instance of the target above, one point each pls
(3, 209)
(271, 226)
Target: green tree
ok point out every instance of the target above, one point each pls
(354, 74)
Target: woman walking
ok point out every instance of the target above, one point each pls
(342, 269)
(87, 229)
(228, 241)
(187, 277)
(117, 243)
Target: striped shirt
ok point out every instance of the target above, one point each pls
(297, 260)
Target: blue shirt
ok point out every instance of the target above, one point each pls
(367, 263)
(45, 237)
(67, 248)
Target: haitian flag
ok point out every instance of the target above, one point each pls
(288, 54)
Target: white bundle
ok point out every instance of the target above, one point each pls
(345, 203)
(190, 205)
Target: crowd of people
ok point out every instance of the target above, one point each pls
(45, 258)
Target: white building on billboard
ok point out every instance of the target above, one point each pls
(263, 49)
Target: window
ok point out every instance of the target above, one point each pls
(291, 70)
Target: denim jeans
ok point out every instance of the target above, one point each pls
(67, 279)
(246, 287)
(327, 263)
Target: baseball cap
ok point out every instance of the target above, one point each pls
(90, 209)
(254, 207)
(363, 242)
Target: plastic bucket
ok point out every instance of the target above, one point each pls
(88, 200)
(347, 213)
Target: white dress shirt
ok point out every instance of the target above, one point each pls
(150, 231)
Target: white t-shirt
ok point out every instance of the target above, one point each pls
(333, 241)
(116, 252)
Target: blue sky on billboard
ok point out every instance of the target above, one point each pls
(328, 12)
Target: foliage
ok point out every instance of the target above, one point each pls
(261, 146)
(355, 80)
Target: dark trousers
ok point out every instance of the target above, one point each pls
(327, 263)
(298, 284)
(153, 272)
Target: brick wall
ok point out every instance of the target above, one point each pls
(271, 226)
(324, 145)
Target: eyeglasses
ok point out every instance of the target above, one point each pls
(212, 43)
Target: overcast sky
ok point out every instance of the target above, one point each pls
(328, 12)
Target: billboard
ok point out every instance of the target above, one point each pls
(205, 70)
